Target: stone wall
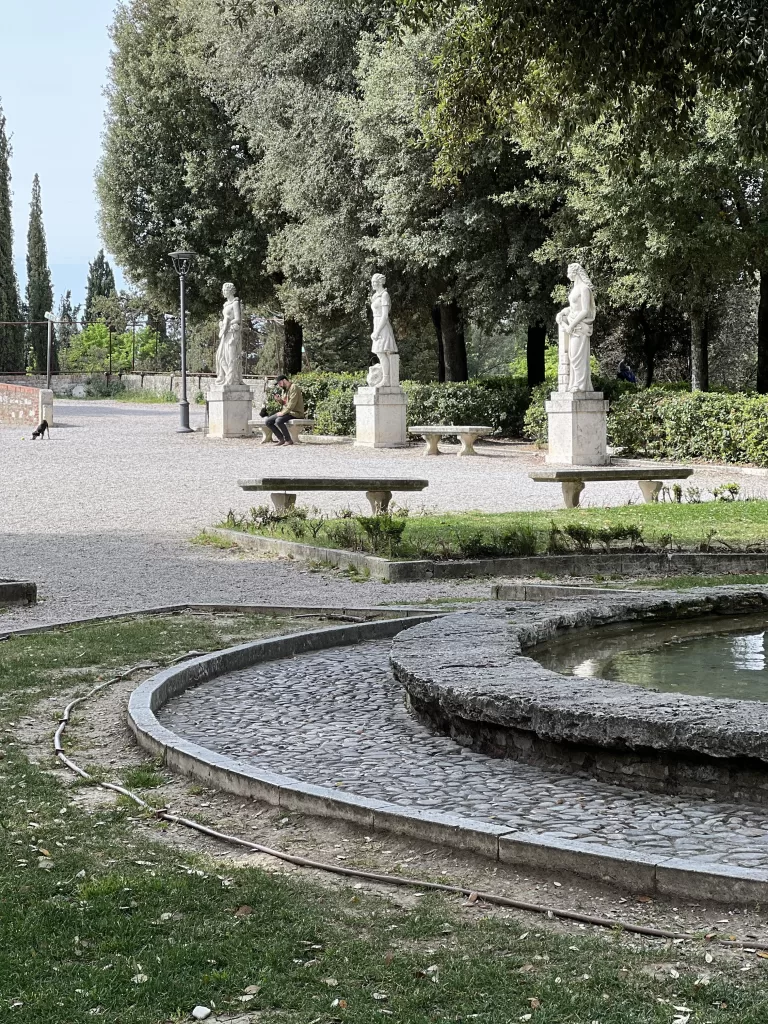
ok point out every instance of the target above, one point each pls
(159, 383)
(22, 405)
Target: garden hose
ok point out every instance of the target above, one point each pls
(473, 893)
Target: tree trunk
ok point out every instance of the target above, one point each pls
(534, 350)
(292, 346)
(454, 346)
(439, 335)
(762, 335)
(649, 346)
(699, 353)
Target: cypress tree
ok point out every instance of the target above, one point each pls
(101, 281)
(11, 338)
(39, 288)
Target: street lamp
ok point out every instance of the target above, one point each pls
(50, 318)
(182, 261)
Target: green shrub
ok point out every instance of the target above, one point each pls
(498, 402)
(103, 386)
(698, 425)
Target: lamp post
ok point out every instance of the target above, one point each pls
(182, 261)
(50, 318)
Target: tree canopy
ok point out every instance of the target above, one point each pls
(39, 287)
(11, 338)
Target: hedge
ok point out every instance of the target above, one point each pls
(498, 402)
(698, 425)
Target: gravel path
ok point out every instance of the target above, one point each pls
(101, 515)
(337, 718)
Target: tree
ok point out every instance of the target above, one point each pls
(67, 326)
(101, 281)
(171, 168)
(573, 63)
(39, 288)
(11, 338)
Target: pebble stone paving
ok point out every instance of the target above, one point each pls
(337, 719)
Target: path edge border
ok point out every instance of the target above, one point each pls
(633, 871)
(575, 564)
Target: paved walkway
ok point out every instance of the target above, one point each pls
(337, 719)
(101, 515)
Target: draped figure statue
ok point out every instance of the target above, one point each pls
(575, 324)
(383, 338)
(229, 353)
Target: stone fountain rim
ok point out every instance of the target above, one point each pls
(478, 672)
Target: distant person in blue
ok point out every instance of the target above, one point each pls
(625, 372)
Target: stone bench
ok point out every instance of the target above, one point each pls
(295, 427)
(378, 490)
(467, 436)
(573, 478)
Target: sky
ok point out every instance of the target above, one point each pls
(52, 76)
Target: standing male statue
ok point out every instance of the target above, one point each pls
(576, 322)
(229, 353)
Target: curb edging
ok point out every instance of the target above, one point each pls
(628, 869)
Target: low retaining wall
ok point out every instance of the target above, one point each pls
(22, 405)
(480, 687)
(661, 564)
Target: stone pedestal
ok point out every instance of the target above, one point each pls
(577, 428)
(380, 415)
(230, 406)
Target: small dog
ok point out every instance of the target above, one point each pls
(42, 429)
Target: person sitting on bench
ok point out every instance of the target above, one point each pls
(293, 409)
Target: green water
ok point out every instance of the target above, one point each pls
(721, 657)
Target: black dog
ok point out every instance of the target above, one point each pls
(42, 429)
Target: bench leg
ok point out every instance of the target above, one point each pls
(432, 448)
(294, 430)
(467, 444)
(379, 500)
(650, 490)
(572, 492)
(283, 501)
(266, 434)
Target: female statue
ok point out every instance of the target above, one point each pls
(576, 322)
(383, 338)
(229, 352)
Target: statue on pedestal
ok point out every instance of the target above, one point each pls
(229, 352)
(576, 323)
(383, 338)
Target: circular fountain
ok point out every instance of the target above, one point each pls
(654, 691)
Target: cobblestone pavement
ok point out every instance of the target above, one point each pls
(100, 516)
(336, 718)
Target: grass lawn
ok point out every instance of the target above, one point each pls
(97, 922)
(713, 525)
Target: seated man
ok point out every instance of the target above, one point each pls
(293, 409)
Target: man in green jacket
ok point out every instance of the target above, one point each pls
(293, 409)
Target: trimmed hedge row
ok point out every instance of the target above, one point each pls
(713, 427)
(498, 402)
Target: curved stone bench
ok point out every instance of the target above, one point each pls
(572, 479)
(296, 427)
(467, 436)
(479, 686)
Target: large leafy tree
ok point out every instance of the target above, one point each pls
(39, 287)
(171, 168)
(575, 62)
(666, 230)
(101, 281)
(11, 338)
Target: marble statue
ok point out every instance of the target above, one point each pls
(383, 338)
(575, 323)
(229, 352)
